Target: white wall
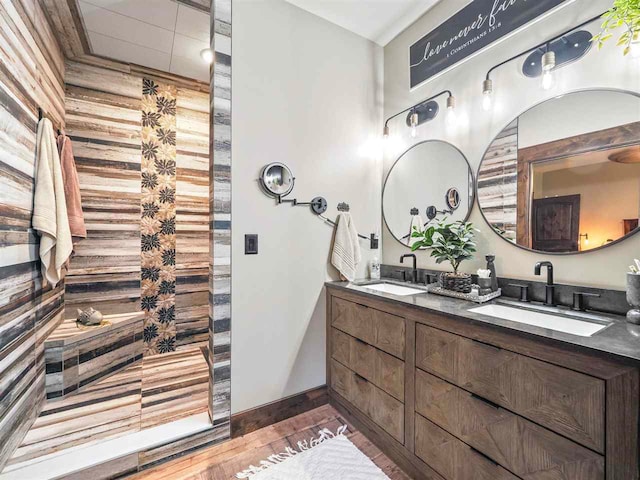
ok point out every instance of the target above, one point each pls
(309, 94)
(514, 93)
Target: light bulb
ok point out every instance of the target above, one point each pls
(547, 80)
(451, 111)
(487, 101)
(452, 118)
(207, 55)
(414, 124)
(385, 132)
(586, 241)
(548, 64)
(487, 94)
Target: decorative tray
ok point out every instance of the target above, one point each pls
(471, 297)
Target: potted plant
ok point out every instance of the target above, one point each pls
(452, 242)
(623, 13)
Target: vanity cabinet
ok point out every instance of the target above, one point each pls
(451, 399)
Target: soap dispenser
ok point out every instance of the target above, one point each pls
(374, 269)
(492, 268)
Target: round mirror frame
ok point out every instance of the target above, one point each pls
(472, 185)
(263, 182)
(585, 90)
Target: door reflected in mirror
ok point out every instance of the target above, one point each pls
(429, 182)
(564, 177)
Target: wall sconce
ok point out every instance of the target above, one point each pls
(423, 112)
(413, 121)
(586, 238)
(545, 58)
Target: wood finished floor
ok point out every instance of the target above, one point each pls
(223, 461)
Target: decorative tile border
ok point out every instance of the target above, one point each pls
(158, 222)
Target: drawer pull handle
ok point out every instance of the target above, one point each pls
(360, 377)
(484, 400)
(486, 344)
(489, 459)
(360, 341)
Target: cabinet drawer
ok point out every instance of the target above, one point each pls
(377, 328)
(524, 448)
(562, 400)
(379, 406)
(380, 368)
(451, 458)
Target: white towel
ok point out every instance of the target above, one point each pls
(416, 221)
(50, 218)
(346, 248)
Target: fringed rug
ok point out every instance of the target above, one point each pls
(328, 457)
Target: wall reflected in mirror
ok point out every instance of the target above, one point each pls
(429, 182)
(564, 177)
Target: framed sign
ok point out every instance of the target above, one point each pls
(472, 29)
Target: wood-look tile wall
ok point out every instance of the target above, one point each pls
(192, 205)
(104, 123)
(497, 181)
(31, 76)
(220, 211)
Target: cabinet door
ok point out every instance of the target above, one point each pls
(341, 347)
(354, 319)
(524, 448)
(389, 333)
(388, 412)
(562, 400)
(389, 374)
(341, 379)
(380, 368)
(451, 458)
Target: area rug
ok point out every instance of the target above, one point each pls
(327, 457)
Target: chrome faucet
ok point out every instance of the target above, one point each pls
(549, 287)
(414, 275)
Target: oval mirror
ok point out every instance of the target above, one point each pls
(277, 180)
(564, 177)
(429, 182)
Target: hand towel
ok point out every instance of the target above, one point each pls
(50, 209)
(346, 249)
(416, 221)
(71, 187)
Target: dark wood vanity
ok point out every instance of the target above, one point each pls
(448, 398)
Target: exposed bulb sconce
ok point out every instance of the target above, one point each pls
(452, 118)
(423, 112)
(586, 238)
(548, 64)
(207, 55)
(414, 125)
(543, 59)
(487, 94)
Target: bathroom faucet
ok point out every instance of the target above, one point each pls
(415, 268)
(549, 287)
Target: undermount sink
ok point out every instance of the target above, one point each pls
(553, 319)
(392, 288)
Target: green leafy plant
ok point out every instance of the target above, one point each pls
(452, 242)
(623, 13)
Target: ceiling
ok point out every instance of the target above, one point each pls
(377, 20)
(161, 34)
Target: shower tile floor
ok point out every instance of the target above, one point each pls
(160, 389)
